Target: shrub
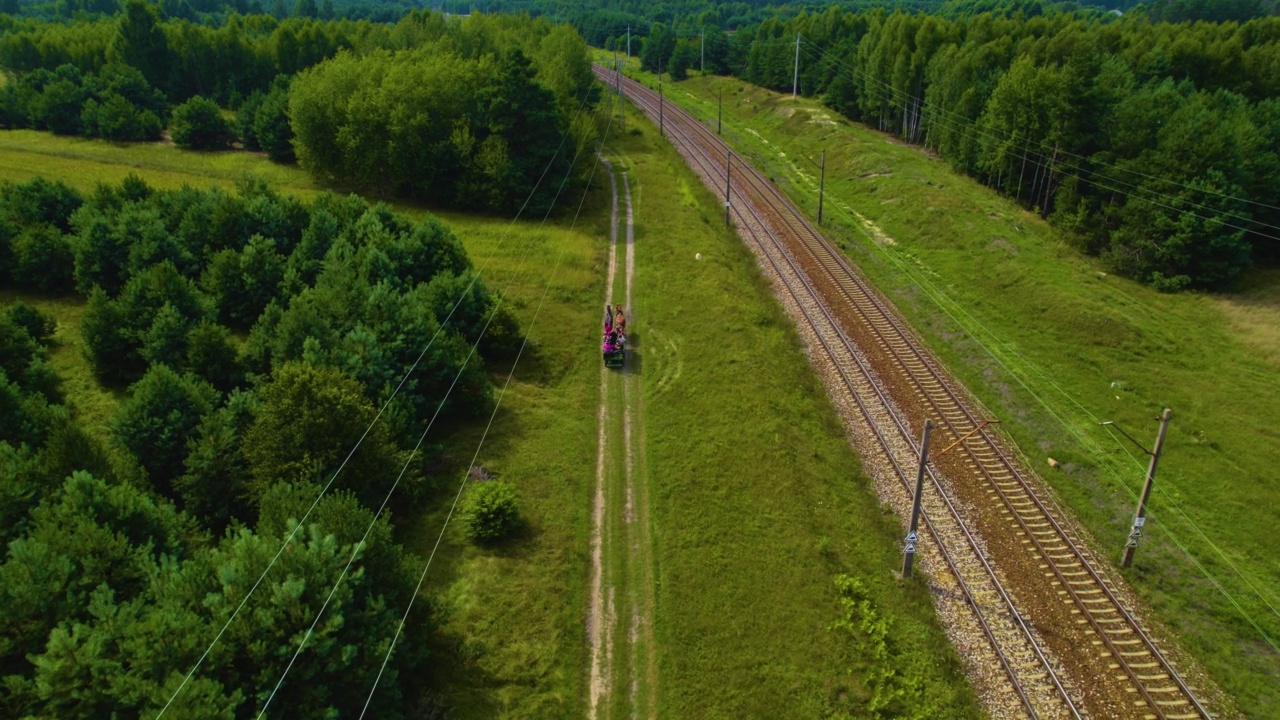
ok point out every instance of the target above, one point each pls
(43, 261)
(38, 325)
(115, 118)
(492, 512)
(198, 124)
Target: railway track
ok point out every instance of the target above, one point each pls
(1064, 640)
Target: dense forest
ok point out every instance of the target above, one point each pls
(254, 337)
(218, 11)
(602, 21)
(497, 83)
(1155, 145)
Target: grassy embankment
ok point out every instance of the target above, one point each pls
(757, 499)
(1053, 345)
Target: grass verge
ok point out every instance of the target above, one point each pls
(513, 633)
(1053, 345)
(758, 501)
(92, 405)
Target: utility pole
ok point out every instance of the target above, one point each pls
(822, 184)
(628, 41)
(719, 109)
(909, 552)
(661, 125)
(622, 110)
(728, 168)
(703, 67)
(1140, 517)
(795, 78)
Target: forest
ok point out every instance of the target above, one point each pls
(498, 82)
(127, 553)
(253, 338)
(1152, 143)
(1155, 146)
(218, 11)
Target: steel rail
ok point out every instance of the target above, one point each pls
(988, 459)
(711, 167)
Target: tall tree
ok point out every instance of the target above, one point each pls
(140, 42)
(158, 420)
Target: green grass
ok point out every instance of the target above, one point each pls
(757, 498)
(513, 632)
(1053, 344)
(511, 641)
(92, 405)
(83, 163)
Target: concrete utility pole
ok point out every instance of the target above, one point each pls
(795, 77)
(622, 110)
(661, 125)
(1140, 517)
(822, 184)
(909, 552)
(628, 41)
(719, 109)
(703, 67)
(728, 168)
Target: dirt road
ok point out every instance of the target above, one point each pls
(623, 678)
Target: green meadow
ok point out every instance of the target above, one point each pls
(757, 500)
(1052, 345)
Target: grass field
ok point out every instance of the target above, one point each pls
(1054, 345)
(511, 642)
(758, 501)
(83, 163)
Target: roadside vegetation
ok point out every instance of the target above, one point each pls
(764, 524)
(1053, 344)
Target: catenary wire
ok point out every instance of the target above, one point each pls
(440, 329)
(1157, 520)
(462, 486)
(356, 548)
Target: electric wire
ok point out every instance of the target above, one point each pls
(462, 486)
(1179, 543)
(408, 373)
(922, 105)
(977, 132)
(474, 346)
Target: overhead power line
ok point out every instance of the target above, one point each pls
(408, 373)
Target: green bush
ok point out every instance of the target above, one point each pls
(492, 512)
(198, 124)
(38, 325)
